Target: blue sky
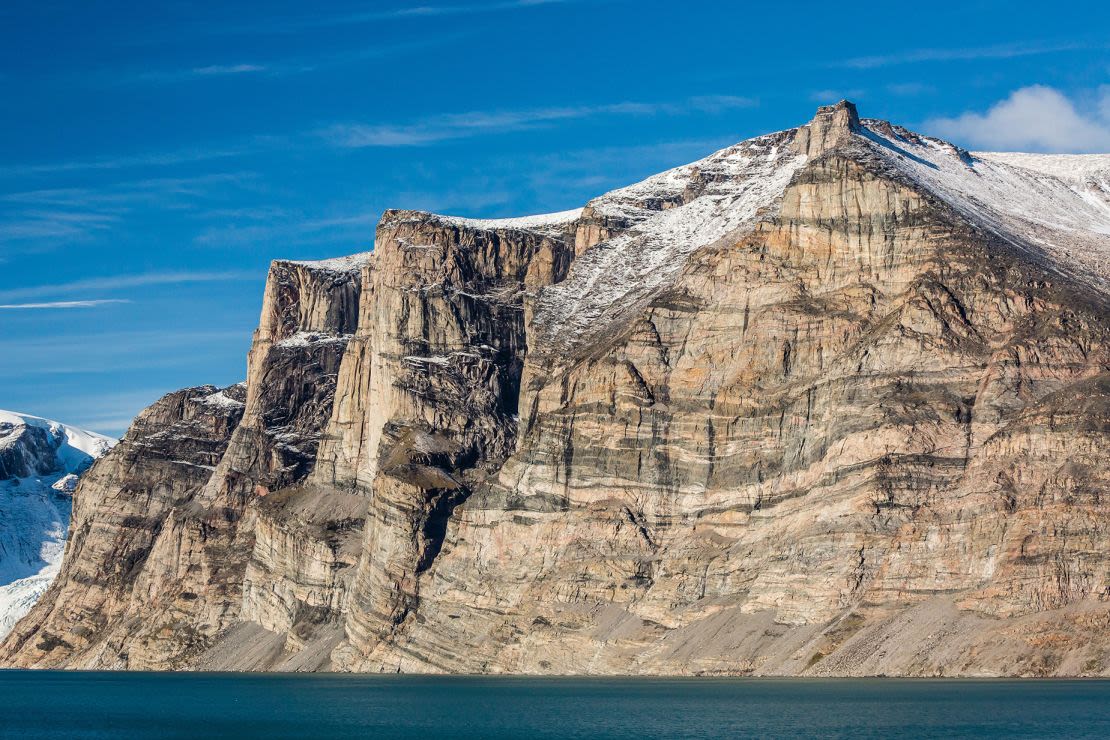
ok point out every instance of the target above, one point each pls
(154, 157)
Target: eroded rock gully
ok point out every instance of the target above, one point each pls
(854, 421)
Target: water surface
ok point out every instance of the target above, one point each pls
(146, 705)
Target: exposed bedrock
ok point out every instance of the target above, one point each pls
(439, 356)
(826, 402)
(186, 553)
(29, 450)
(120, 509)
(816, 427)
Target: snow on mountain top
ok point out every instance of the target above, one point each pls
(553, 224)
(76, 447)
(350, 263)
(1049, 205)
(1064, 166)
(539, 221)
(668, 216)
(1053, 205)
(1025, 199)
(35, 508)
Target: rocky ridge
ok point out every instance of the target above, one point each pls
(832, 401)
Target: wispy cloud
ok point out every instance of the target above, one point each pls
(34, 224)
(415, 133)
(207, 71)
(295, 25)
(64, 304)
(117, 197)
(1035, 118)
(214, 70)
(909, 89)
(119, 282)
(1001, 51)
(347, 229)
(151, 159)
(48, 218)
(108, 352)
(475, 123)
(284, 66)
(833, 95)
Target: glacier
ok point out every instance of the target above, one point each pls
(39, 461)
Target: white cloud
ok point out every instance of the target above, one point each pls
(1003, 51)
(47, 218)
(113, 352)
(1035, 118)
(119, 197)
(833, 95)
(474, 123)
(161, 159)
(909, 89)
(293, 228)
(64, 304)
(227, 69)
(296, 25)
(124, 281)
(51, 224)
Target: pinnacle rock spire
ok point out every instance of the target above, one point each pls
(832, 125)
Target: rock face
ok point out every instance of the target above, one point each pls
(832, 401)
(162, 533)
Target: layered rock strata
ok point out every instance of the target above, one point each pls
(833, 401)
(171, 510)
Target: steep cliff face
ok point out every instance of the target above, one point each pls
(120, 509)
(831, 401)
(163, 527)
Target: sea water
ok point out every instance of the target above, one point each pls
(194, 705)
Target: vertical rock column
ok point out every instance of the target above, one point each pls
(439, 358)
(309, 312)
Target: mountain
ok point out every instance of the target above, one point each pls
(40, 463)
(831, 401)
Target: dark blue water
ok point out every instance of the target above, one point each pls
(122, 705)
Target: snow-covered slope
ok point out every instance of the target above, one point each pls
(1055, 206)
(664, 218)
(38, 461)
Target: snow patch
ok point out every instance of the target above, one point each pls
(1064, 166)
(66, 484)
(548, 224)
(1057, 205)
(76, 447)
(433, 360)
(667, 217)
(539, 221)
(350, 263)
(221, 400)
(35, 512)
(309, 338)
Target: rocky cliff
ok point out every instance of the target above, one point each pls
(832, 401)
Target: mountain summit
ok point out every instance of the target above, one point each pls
(831, 401)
